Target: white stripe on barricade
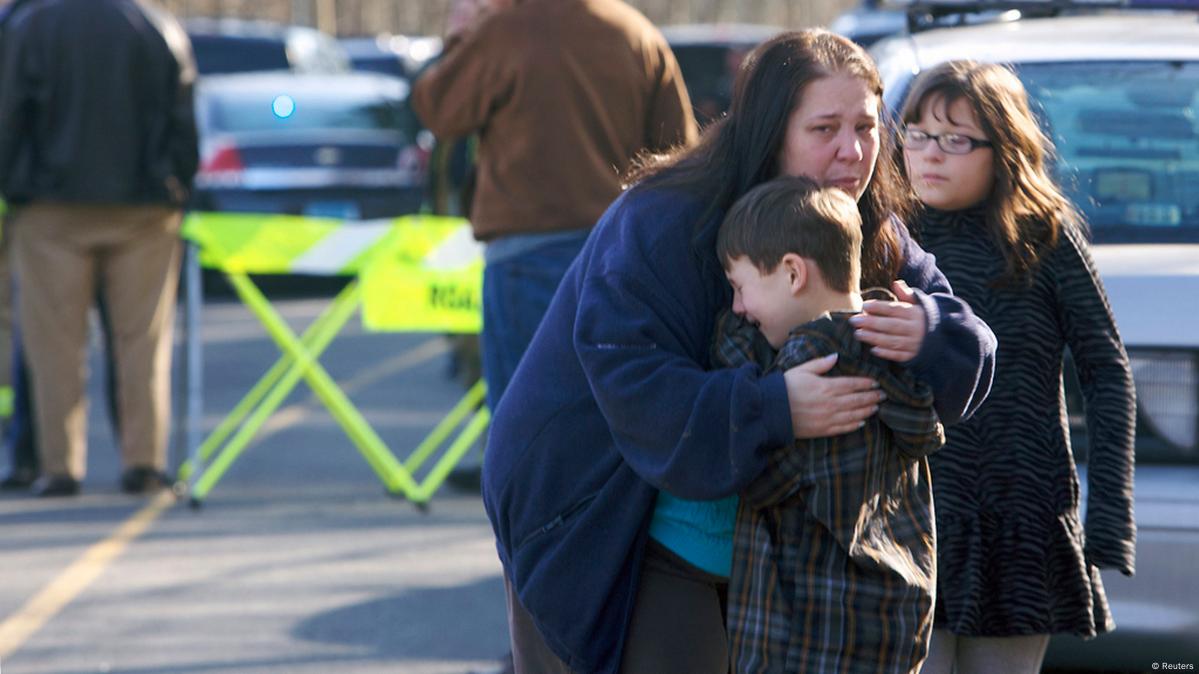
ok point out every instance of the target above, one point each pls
(334, 253)
(458, 250)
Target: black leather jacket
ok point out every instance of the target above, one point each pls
(96, 104)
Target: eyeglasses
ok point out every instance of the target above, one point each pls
(950, 143)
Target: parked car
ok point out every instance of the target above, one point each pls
(709, 56)
(1117, 93)
(871, 21)
(235, 46)
(395, 55)
(345, 145)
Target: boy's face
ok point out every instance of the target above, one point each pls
(768, 300)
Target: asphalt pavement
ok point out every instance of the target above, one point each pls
(297, 562)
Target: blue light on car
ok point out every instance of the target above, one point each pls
(283, 106)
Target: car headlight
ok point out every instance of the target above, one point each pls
(1168, 396)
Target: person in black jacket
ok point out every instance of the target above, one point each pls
(97, 154)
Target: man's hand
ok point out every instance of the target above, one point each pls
(894, 329)
(827, 406)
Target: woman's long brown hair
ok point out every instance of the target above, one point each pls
(742, 150)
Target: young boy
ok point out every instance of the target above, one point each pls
(834, 561)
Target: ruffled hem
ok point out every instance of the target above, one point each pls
(1000, 578)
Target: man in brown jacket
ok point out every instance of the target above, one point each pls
(563, 94)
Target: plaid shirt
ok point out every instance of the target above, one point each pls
(834, 561)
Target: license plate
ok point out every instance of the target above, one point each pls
(345, 210)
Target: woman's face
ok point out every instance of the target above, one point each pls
(832, 135)
(949, 182)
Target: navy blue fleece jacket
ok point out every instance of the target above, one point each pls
(614, 401)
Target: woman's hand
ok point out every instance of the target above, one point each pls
(894, 329)
(826, 406)
(464, 16)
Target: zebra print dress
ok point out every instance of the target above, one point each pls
(1013, 557)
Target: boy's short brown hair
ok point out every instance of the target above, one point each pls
(796, 215)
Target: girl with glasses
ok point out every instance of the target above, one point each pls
(1015, 563)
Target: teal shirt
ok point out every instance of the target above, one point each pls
(700, 532)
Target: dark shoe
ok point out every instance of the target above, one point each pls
(51, 486)
(143, 480)
(19, 479)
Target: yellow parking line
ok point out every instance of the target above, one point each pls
(19, 627)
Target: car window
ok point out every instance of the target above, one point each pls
(220, 54)
(1128, 144)
(709, 71)
(314, 52)
(282, 111)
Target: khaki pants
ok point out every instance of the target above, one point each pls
(134, 251)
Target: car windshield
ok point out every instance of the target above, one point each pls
(1128, 144)
(275, 110)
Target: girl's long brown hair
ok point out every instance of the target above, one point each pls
(742, 150)
(1026, 211)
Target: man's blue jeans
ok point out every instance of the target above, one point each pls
(517, 289)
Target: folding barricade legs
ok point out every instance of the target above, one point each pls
(398, 259)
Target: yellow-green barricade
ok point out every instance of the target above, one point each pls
(414, 273)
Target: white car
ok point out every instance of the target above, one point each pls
(1118, 94)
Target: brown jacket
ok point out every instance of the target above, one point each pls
(563, 95)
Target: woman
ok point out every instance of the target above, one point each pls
(1014, 563)
(614, 400)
